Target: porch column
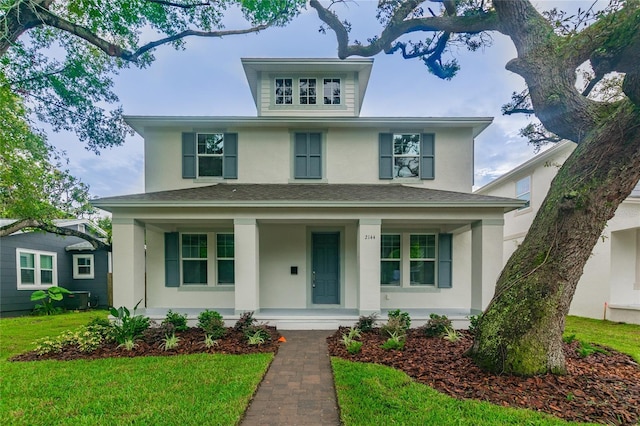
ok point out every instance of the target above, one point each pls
(486, 261)
(369, 266)
(247, 260)
(128, 263)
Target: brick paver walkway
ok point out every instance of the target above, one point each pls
(298, 387)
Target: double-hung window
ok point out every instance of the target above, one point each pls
(205, 259)
(307, 91)
(414, 260)
(407, 155)
(210, 154)
(83, 267)
(390, 265)
(331, 91)
(284, 91)
(523, 191)
(36, 269)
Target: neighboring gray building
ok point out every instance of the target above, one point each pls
(36, 260)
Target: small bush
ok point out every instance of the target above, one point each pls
(451, 335)
(209, 341)
(245, 322)
(474, 323)
(127, 326)
(354, 347)
(395, 342)
(256, 338)
(179, 321)
(257, 333)
(170, 341)
(212, 324)
(436, 326)
(367, 323)
(349, 340)
(394, 326)
(86, 339)
(405, 319)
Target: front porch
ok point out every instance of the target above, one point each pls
(314, 319)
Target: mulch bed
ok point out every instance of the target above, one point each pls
(191, 342)
(599, 388)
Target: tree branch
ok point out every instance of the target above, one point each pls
(180, 5)
(49, 227)
(399, 26)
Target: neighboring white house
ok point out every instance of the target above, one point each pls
(610, 284)
(308, 214)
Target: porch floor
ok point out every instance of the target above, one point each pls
(313, 318)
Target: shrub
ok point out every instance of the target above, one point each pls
(474, 323)
(178, 320)
(127, 327)
(86, 338)
(212, 324)
(396, 342)
(245, 322)
(349, 340)
(209, 341)
(394, 326)
(169, 342)
(367, 323)
(451, 335)
(403, 317)
(354, 347)
(437, 325)
(48, 297)
(257, 333)
(256, 338)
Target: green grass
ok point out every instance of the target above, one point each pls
(191, 389)
(373, 394)
(624, 338)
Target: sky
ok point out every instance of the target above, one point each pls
(207, 79)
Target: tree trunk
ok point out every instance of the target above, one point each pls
(521, 330)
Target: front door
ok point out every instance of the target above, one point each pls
(325, 275)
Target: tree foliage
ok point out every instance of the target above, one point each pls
(583, 84)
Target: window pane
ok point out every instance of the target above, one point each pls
(27, 260)
(226, 273)
(406, 167)
(225, 245)
(27, 276)
(194, 271)
(284, 91)
(194, 246)
(522, 186)
(390, 246)
(46, 262)
(84, 261)
(331, 91)
(209, 166)
(210, 143)
(46, 277)
(390, 272)
(84, 270)
(423, 246)
(406, 144)
(423, 272)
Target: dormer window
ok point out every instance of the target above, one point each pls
(284, 91)
(331, 91)
(307, 91)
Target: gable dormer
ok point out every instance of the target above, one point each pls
(307, 87)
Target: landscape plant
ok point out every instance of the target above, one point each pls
(437, 325)
(212, 323)
(178, 320)
(367, 323)
(451, 334)
(395, 341)
(257, 333)
(352, 345)
(170, 341)
(403, 317)
(245, 322)
(127, 327)
(47, 297)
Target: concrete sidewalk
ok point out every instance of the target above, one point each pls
(298, 387)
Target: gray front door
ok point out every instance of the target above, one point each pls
(325, 273)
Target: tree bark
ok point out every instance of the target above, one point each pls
(49, 227)
(521, 330)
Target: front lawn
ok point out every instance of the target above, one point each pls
(622, 337)
(188, 389)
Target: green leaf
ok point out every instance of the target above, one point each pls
(38, 295)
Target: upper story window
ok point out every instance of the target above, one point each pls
(210, 152)
(284, 91)
(523, 191)
(36, 269)
(83, 266)
(307, 89)
(331, 91)
(407, 155)
(207, 155)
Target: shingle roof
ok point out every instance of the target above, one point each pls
(305, 194)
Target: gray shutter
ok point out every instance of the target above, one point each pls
(230, 156)
(445, 260)
(300, 154)
(385, 148)
(427, 156)
(188, 155)
(315, 156)
(171, 259)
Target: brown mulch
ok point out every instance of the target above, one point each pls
(601, 388)
(191, 342)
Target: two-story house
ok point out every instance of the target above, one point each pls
(610, 284)
(308, 214)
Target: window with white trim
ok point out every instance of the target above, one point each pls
(83, 267)
(210, 154)
(331, 91)
(523, 191)
(36, 269)
(406, 155)
(284, 91)
(408, 260)
(307, 91)
(202, 265)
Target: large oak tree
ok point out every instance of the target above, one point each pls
(521, 330)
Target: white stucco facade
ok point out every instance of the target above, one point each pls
(610, 285)
(308, 250)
